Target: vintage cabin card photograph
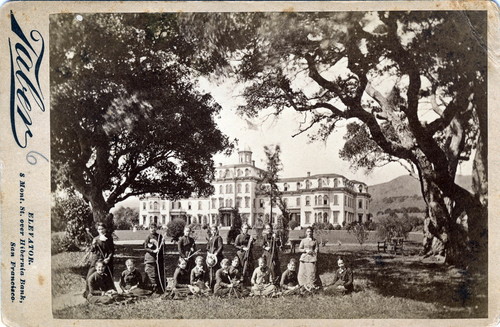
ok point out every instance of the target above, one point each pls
(265, 163)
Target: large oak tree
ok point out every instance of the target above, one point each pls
(126, 116)
(412, 86)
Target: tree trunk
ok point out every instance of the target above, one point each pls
(100, 209)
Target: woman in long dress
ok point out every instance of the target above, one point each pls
(308, 274)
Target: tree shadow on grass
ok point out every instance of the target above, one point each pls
(429, 282)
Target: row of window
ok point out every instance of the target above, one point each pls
(229, 188)
(228, 173)
(322, 182)
(318, 200)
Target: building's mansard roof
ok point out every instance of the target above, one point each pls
(253, 177)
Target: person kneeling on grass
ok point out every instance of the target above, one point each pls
(101, 289)
(199, 277)
(289, 282)
(131, 281)
(180, 282)
(342, 281)
(261, 280)
(223, 285)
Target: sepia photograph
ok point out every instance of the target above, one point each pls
(269, 165)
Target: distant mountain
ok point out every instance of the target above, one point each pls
(404, 192)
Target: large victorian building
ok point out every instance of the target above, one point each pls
(314, 198)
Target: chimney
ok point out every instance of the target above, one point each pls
(308, 174)
(253, 163)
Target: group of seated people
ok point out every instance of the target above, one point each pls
(194, 276)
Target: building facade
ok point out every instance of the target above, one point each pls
(327, 198)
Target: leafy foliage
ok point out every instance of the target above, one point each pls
(127, 118)
(409, 92)
(293, 224)
(269, 182)
(76, 215)
(125, 218)
(360, 231)
(396, 226)
(175, 228)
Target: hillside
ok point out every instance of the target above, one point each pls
(403, 192)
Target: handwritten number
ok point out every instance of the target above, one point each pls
(32, 160)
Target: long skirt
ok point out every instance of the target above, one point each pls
(308, 275)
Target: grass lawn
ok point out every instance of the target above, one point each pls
(386, 286)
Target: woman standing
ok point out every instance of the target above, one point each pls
(308, 273)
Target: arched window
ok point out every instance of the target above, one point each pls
(239, 172)
(227, 203)
(308, 184)
(230, 188)
(247, 172)
(179, 205)
(316, 200)
(325, 217)
(308, 201)
(230, 202)
(315, 217)
(156, 207)
(335, 183)
(320, 200)
(247, 188)
(239, 188)
(221, 189)
(150, 205)
(298, 186)
(360, 188)
(227, 188)
(285, 187)
(189, 205)
(325, 199)
(144, 205)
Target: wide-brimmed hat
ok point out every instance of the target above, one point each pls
(211, 260)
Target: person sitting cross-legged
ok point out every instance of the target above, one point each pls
(261, 280)
(131, 281)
